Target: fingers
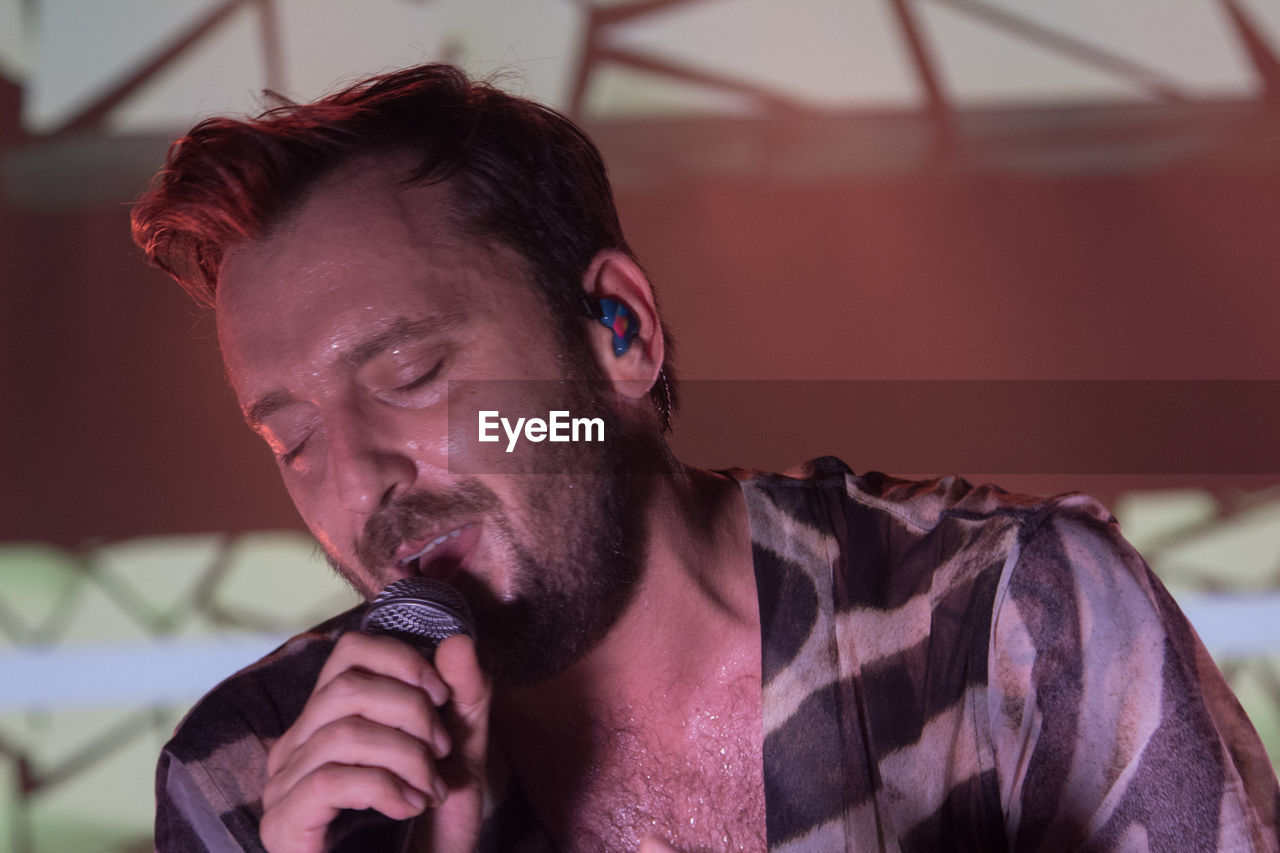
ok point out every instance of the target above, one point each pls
(355, 741)
(298, 821)
(385, 656)
(375, 698)
(369, 736)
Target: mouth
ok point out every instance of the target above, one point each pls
(442, 556)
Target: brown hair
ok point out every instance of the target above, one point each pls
(522, 175)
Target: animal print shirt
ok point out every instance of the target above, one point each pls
(945, 668)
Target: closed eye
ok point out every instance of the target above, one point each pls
(422, 381)
(290, 458)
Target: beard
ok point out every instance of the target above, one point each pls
(573, 570)
(564, 605)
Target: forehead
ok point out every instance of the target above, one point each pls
(360, 251)
(356, 221)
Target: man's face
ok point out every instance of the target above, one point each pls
(341, 331)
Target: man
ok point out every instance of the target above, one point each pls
(665, 656)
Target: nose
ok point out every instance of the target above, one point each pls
(367, 466)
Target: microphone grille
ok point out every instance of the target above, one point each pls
(419, 611)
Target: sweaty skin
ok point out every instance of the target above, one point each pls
(341, 330)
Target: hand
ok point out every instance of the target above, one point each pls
(374, 734)
(656, 845)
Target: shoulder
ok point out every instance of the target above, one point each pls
(261, 700)
(887, 583)
(210, 775)
(1109, 720)
(1013, 660)
(913, 505)
(876, 603)
(892, 537)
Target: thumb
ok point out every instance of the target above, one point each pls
(470, 693)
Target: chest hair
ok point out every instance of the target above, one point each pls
(698, 784)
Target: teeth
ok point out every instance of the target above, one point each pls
(452, 534)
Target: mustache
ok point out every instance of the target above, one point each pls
(413, 515)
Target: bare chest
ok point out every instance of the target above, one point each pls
(698, 785)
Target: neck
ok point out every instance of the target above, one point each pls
(665, 711)
(694, 621)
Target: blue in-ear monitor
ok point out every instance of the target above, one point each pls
(619, 318)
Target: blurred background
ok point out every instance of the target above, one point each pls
(1029, 242)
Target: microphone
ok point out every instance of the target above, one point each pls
(419, 611)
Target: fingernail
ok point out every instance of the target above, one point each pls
(441, 791)
(415, 798)
(436, 689)
(440, 740)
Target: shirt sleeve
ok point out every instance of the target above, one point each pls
(192, 816)
(210, 774)
(1111, 726)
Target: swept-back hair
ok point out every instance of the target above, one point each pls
(520, 174)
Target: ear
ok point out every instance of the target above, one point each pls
(613, 275)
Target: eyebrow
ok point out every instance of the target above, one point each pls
(402, 329)
(266, 406)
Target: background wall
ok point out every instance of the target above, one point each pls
(114, 390)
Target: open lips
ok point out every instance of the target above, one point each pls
(441, 557)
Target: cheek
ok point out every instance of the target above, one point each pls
(424, 435)
(320, 517)
(475, 440)
(526, 427)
